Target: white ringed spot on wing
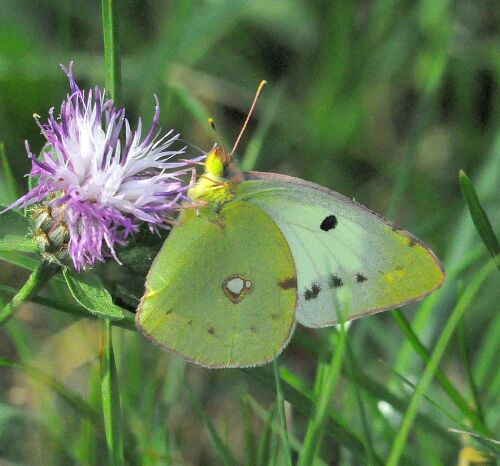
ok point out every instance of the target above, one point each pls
(236, 287)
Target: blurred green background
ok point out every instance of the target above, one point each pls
(381, 100)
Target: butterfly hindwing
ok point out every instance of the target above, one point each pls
(343, 252)
(222, 292)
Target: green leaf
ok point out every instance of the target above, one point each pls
(127, 322)
(14, 229)
(88, 290)
(18, 243)
(479, 217)
(9, 192)
(26, 262)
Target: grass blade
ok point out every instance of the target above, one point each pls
(77, 403)
(479, 217)
(281, 411)
(249, 436)
(352, 369)
(488, 353)
(111, 397)
(439, 407)
(265, 439)
(220, 447)
(459, 310)
(302, 401)
(316, 424)
(440, 376)
(10, 193)
(466, 360)
(377, 391)
(87, 442)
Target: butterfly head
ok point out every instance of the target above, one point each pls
(214, 185)
(216, 162)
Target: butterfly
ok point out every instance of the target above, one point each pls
(265, 251)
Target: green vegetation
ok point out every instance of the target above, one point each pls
(384, 101)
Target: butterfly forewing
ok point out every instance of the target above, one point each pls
(345, 255)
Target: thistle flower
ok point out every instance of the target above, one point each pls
(96, 189)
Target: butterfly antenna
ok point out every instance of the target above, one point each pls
(259, 90)
(220, 142)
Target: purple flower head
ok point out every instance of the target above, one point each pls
(101, 178)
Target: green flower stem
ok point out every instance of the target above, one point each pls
(109, 381)
(128, 321)
(38, 278)
(110, 26)
(111, 397)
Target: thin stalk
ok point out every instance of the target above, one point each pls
(464, 302)
(112, 64)
(220, 447)
(109, 381)
(110, 397)
(128, 321)
(281, 410)
(465, 353)
(440, 376)
(39, 277)
(316, 424)
(352, 369)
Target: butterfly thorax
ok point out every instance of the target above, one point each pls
(216, 184)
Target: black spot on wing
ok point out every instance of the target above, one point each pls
(329, 223)
(335, 282)
(211, 330)
(360, 278)
(312, 293)
(288, 283)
